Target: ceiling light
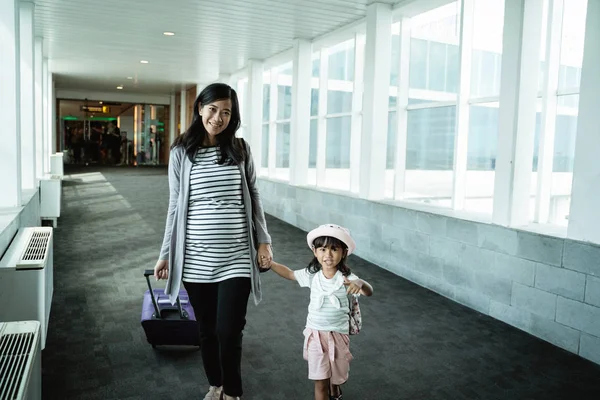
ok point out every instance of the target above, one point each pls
(100, 102)
(120, 87)
(169, 33)
(144, 62)
(130, 77)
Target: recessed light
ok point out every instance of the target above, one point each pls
(130, 77)
(144, 62)
(169, 33)
(119, 87)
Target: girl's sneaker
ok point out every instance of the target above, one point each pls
(214, 393)
(338, 397)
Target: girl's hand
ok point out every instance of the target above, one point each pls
(264, 256)
(354, 287)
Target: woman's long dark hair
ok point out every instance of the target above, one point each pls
(233, 150)
(323, 241)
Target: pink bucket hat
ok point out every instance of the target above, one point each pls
(332, 230)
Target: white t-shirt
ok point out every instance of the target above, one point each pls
(328, 309)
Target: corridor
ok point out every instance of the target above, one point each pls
(415, 344)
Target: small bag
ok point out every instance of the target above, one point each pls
(355, 315)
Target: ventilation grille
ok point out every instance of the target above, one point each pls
(36, 250)
(15, 351)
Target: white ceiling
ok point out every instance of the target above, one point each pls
(96, 44)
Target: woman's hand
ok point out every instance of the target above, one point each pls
(161, 269)
(264, 256)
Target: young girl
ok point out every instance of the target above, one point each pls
(326, 340)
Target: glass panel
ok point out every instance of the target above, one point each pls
(341, 61)
(314, 102)
(430, 140)
(433, 69)
(282, 157)
(313, 142)
(566, 131)
(488, 28)
(418, 64)
(316, 66)
(266, 102)
(284, 102)
(437, 70)
(339, 102)
(391, 140)
(395, 61)
(338, 142)
(430, 155)
(265, 147)
(564, 152)
(483, 137)
(571, 47)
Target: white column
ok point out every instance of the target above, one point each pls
(375, 100)
(53, 130)
(10, 159)
(39, 104)
(518, 95)
(322, 120)
(300, 129)
(461, 143)
(584, 218)
(356, 122)
(183, 111)
(45, 124)
(401, 111)
(254, 109)
(27, 57)
(172, 122)
(199, 88)
(548, 122)
(51, 126)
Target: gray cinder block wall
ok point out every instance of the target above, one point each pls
(546, 286)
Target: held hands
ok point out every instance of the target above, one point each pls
(264, 256)
(354, 287)
(161, 269)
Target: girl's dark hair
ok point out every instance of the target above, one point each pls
(324, 241)
(233, 150)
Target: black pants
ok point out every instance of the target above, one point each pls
(220, 310)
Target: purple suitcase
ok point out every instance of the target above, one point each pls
(167, 324)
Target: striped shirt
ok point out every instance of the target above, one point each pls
(329, 308)
(216, 243)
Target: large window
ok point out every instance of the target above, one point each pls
(332, 97)
(277, 114)
(432, 113)
(433, 80)
(551, 183)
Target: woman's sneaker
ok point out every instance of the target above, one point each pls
(214, 393)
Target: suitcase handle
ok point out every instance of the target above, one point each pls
(147, 274)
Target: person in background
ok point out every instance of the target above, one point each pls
(113, 143)
(209, 241)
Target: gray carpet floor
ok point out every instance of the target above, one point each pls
(414, 345)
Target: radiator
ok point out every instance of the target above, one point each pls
(20, 361)
(27, 278)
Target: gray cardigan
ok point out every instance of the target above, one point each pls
(173, 247)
